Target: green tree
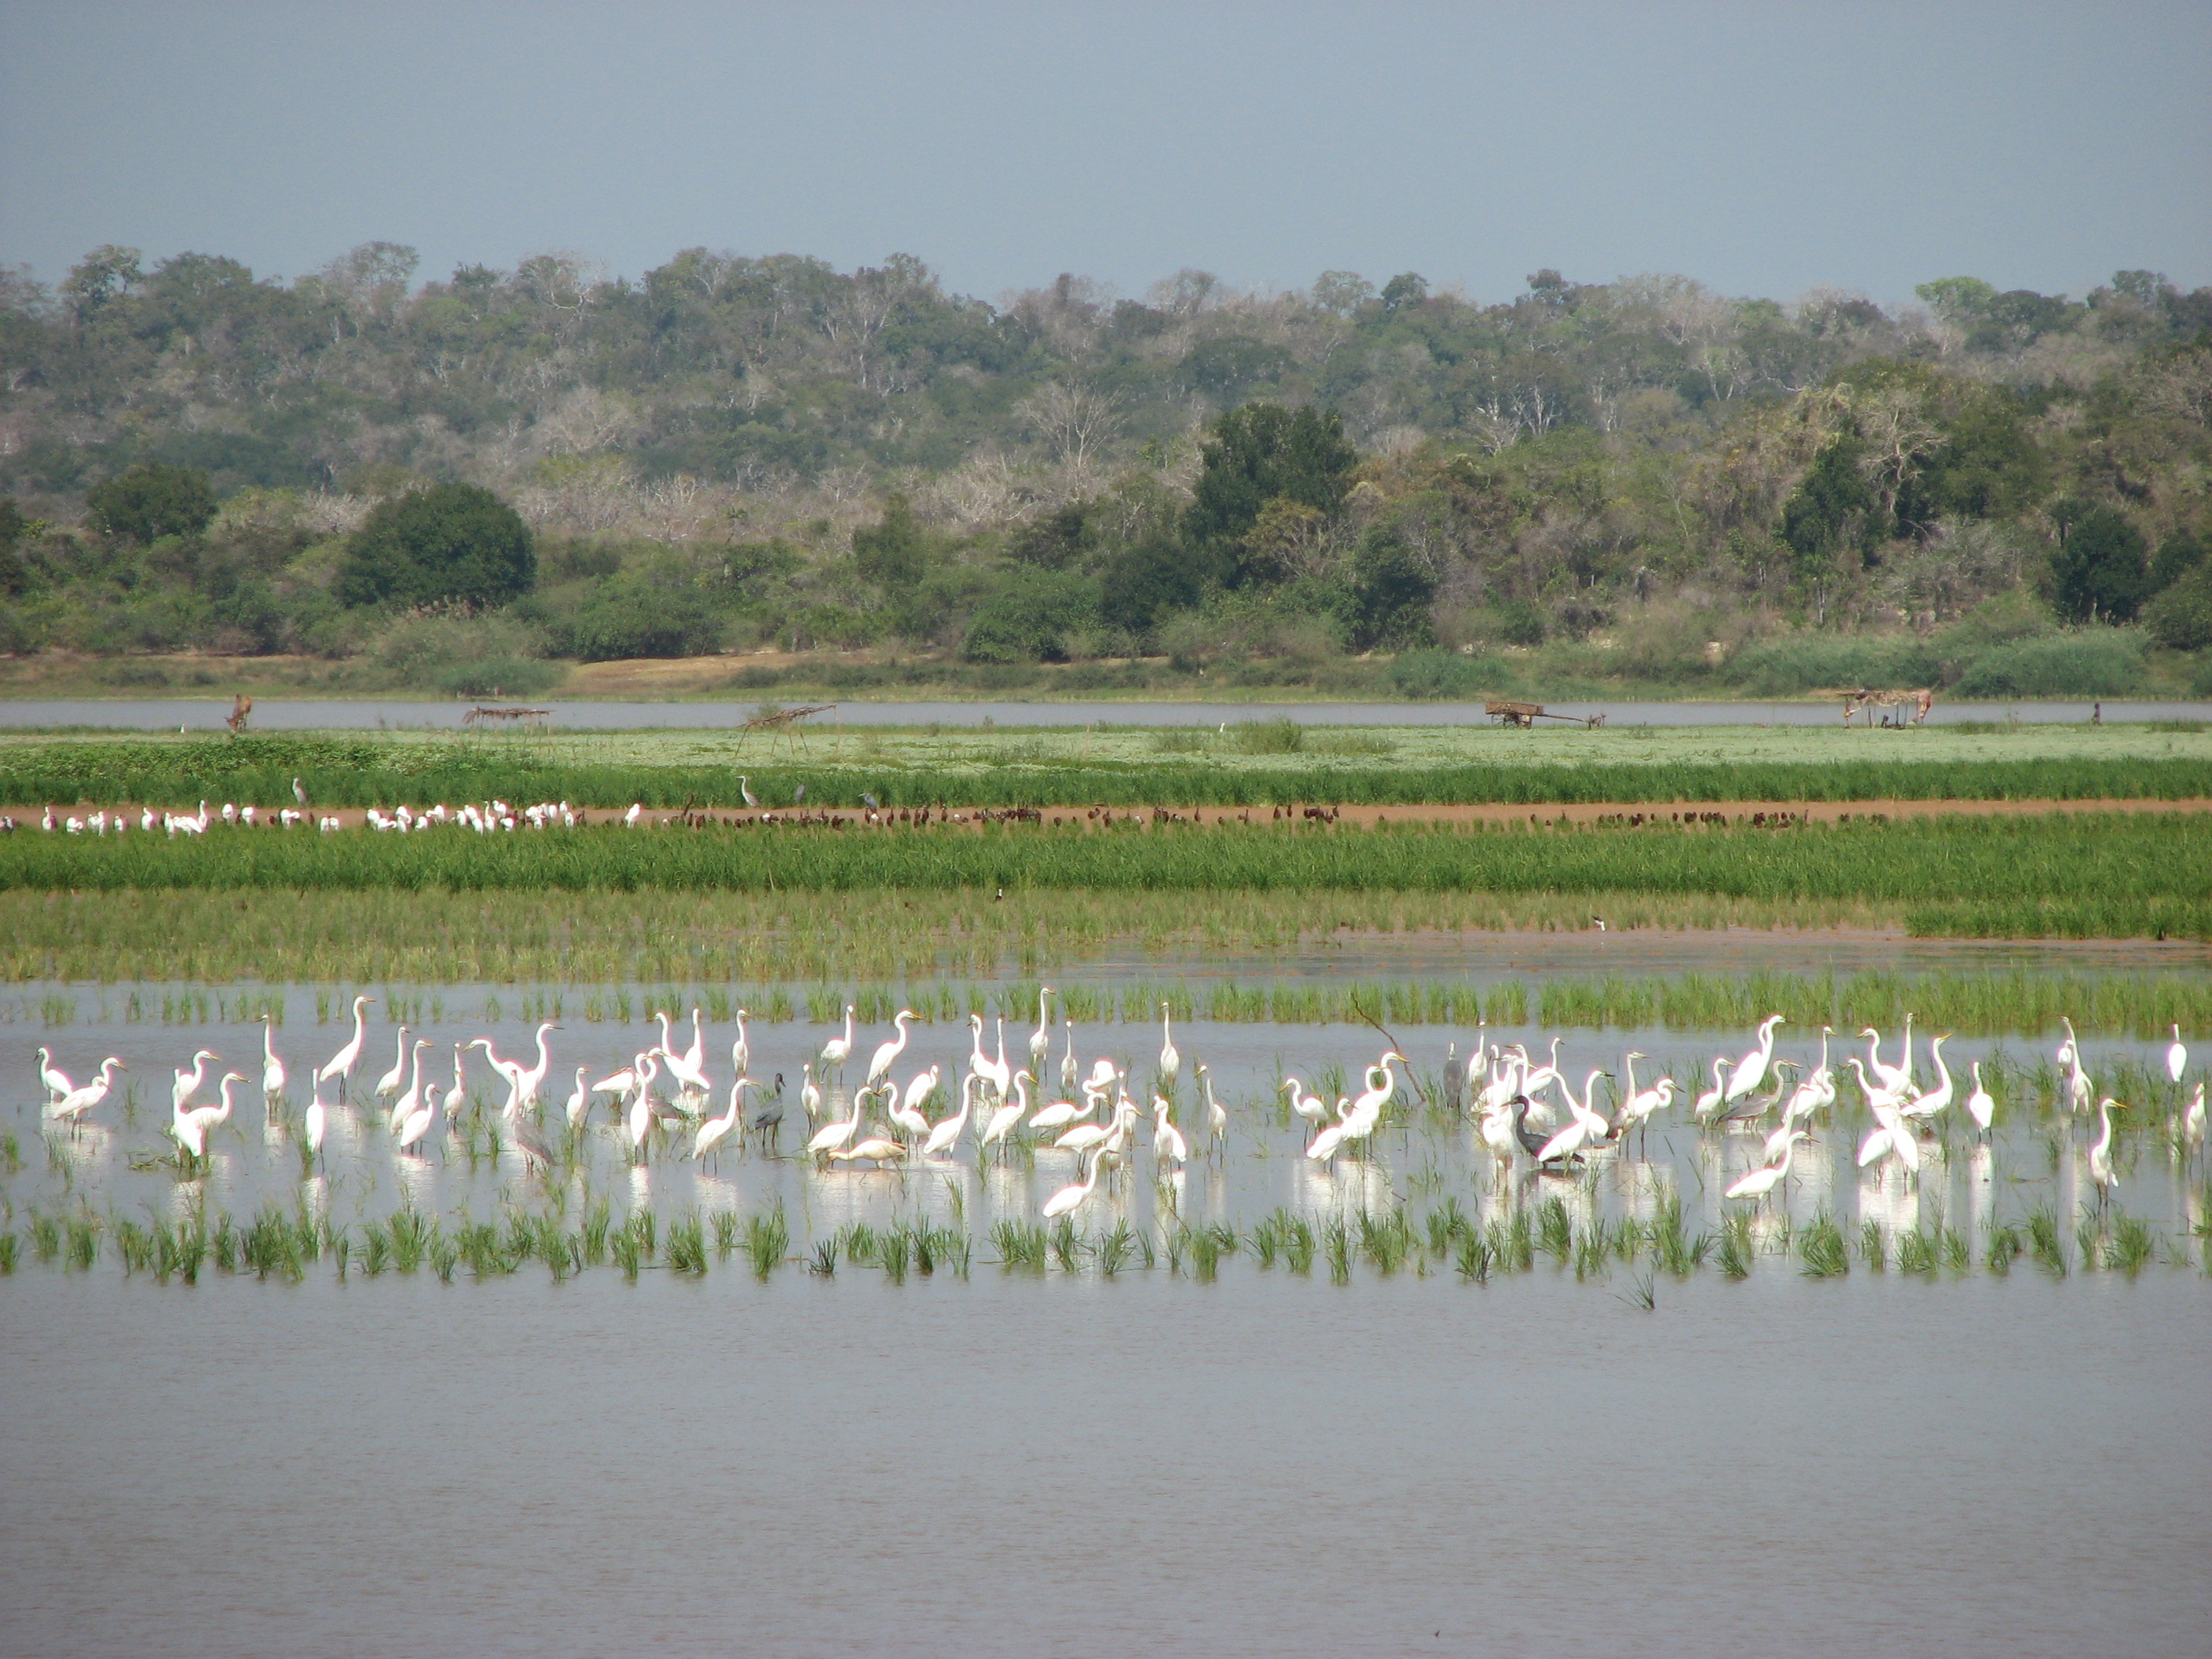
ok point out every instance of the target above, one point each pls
(1145, 580)
(1257, 454)
(2181, 617)
(895, 553)
(451, 541)
(1391, 588)
(2177, 555)
(2100, 570)
(1029, 620)
(145, 502)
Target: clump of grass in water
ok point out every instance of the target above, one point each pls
(224, 1243)
(1266, 1236)
(2089, 1238)
(622, 1246)
(2046, 1244)
(1917, 1253)
(687, 1246)
(1873, 1246)
(645, 1227)
(375, 1247)
(1337, 1247)
(767, 1239)
(1672, 1246)
(1642, 1293)
(824, 1263)
(1447, 1223)
(445, 1255)
(1385, 1240)
(83, 1240)
(1115, 1248)
(598, 1218)
(726, 1235)
(1066, 1244)
(1475, 1257)
(2132, 1246)
(1555, 1230)
(1021, 1245)
(1736, 1249)
(1822, 1249)
(1298, 1244)
(2003, 1245)
(9, 1242)
(1207, 1246)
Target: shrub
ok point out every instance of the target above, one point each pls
(1030, 620)
(633, 618)
(451, 541)
(2181, 617)
(1804, 662)
(2091, 663)
(1440, 675)
(464, 655)
(501, 677)
(2102, 566)
(147, 502)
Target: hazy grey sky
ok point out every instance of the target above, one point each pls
(1765, 148)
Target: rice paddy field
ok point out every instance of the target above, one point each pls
(763, 1400)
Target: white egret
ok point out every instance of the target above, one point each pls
(1041, 1039)
(272, 1068)
(1877, 1096)
(834, 1135)
(209, 1118)
(2176, 1056)
(1979, 1106)
(713, 1129)
(1759, 1182)
(1060, 1113)
(57, 1081)
(1003, 1119)
(2069, 1051)
(1751, 1070)
(1170, 1058)
(72, 1106)
(741, 1046)
(390, 1082)
(1167, 1141)
(187, 1084)
(1307, 1106)
(1067, 1071)
(416, 1123)
(579, 1098)
(317, 1119)
(406, 1104)
(946, 1135)
(874, 1149)
(1710, 1102)
(1939, 1098)
(810, 1092)
(1217, 1118)
(1892, 1078)
(1069, 1196)
(906, 1111)
(458, 1096)
(1892, 1139)
(1084, 1136)
(838, 1049)
(887, 1052)
(2100, 1153)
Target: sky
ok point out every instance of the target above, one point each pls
(1765, 149)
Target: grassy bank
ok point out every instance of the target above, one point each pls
(1272, 763)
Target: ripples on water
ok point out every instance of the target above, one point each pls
(1019, 1464)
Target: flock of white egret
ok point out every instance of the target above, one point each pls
(663, 1098)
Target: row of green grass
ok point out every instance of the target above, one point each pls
(2110, 875)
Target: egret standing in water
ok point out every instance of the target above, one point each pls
(2100, 1154)
(2176, 1056)
(1979, 1106)
(1170, 1057)
(340, 1064)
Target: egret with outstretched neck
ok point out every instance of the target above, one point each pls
(340, 1064)
(1751, 1070)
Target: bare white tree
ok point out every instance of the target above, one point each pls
(1077, 422)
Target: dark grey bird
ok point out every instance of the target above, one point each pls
(871, 802)
(1455, 1078)
(799, 795)
(531, 1142)
(745, 793)
(1531, 1142)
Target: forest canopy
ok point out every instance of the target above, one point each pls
(1636, 480)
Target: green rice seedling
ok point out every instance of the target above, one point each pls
(411, 1232)
(2003, 1245)
(951, 1249)
(1021, 1245)
(894, 1248)
(1555, 1230)
(9, 1242)
(2046, 1241)
(1670, 1239)
(2089, 1237)
(1298, 1244)
(375, 1247)
(1475, 1257)
(1822, 1249)
(859, 1243)
(445, 1255)
(2132, 1247)
(1447, 1223)
(341, 1251)
(1066, 1244)
(1873, 1246)
(1338, 1249)
(1513, 1242)
(687, 1245)
(224, 1243)
(1385, 1240)
(1266, 1236)
(768, 1240)
(645, 1227)
(1175, 1241)
(11, 1155)
(1736, 1248)
(1115, 1248)
(133, 1243)
(629, 1255)
(1917, 1253)
(823, 1263)
(46, 1236)
(1207, 1246)
(726, 1234)
(83, 1240)
(1958, 1255)
(599, 1217)
(1642, 1293)
(1595, 1246)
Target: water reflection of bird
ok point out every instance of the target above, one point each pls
(1761, 1181)
(1068, 1197)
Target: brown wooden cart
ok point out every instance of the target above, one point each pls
(1528, 714)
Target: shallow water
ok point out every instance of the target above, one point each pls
(1083, 1464)
(274, 714)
